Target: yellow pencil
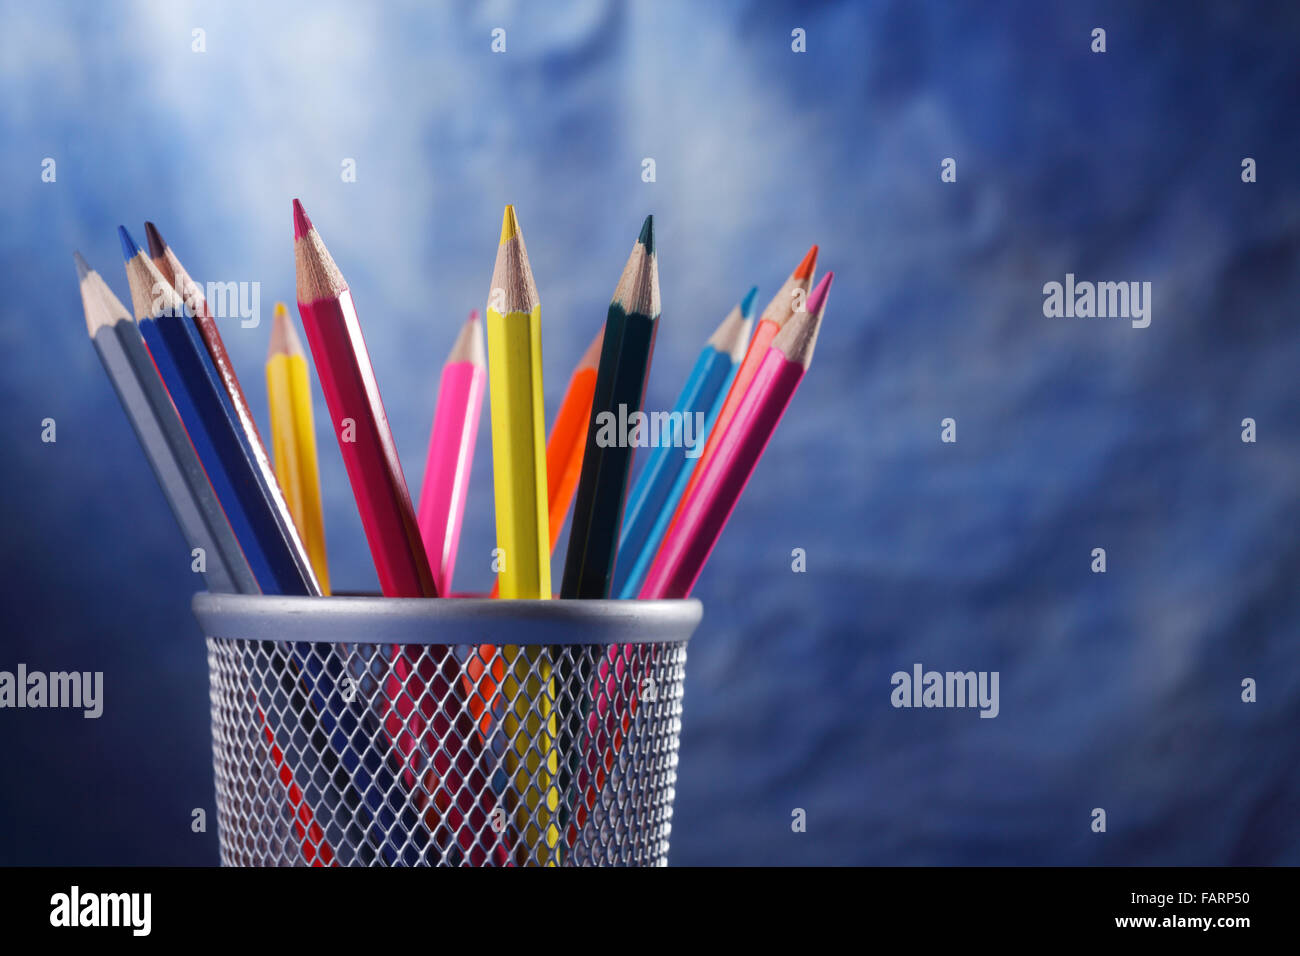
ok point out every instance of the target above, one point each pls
(293, 438)
(514, 336)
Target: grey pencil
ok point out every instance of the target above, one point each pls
(166, 444)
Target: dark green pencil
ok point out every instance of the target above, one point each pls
(620, 389)
(598, 508)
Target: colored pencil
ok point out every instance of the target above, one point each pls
(625, 357)
(408, 704)
(564, 448)
(451, 451)
(690, 541)
(243, 481)
(357, 416)
(519, 479)
(663, 480)
(630, 327)
(136, 374)
(359, 422)
(567, 440)
(161, 432)
(191, 293)
(724, 477)
(650, 506)
(518, 425)
(315, 848)
(293, 438)
(442, 508)
(791, 296)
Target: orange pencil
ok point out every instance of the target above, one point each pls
(790, 297)
(569, 437)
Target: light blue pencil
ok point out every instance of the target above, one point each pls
(660, 486)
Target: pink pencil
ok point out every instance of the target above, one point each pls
(451, 450)
(691, 541)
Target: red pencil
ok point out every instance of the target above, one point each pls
(370, 456)
(357, 415)
(315, 850)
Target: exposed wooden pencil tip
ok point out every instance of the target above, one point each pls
(301, 224)
(152, 296)
(798, 337)
(808, 265)
(156, 244)
(318, 277)
(817, 298)
(129, 249)
(732, 335)
(469, 345)
(511, 273)
(101, 307)
(509, 225)
(284, 340)
(279, 337)
(638, 286)
(647, 237)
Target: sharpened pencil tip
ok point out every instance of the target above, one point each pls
(747, 303)
(469, 345)
(281, 333)
(129, 249)
(83, 267)
(817, 298)
(156, 244)
(647, 237)
(808, 265)
(301, 224)
(509, 225)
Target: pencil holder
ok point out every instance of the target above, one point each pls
(395, 731)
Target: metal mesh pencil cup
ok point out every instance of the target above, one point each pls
(372, 731)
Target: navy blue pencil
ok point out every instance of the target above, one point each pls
(251, 497)
(249, 493)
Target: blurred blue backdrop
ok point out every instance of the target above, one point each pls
(1119, 691)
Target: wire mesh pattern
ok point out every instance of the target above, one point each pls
(409, 755)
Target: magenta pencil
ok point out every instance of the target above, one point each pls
(705, 513)
(451, 450)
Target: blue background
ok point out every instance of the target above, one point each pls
(1119, 691)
